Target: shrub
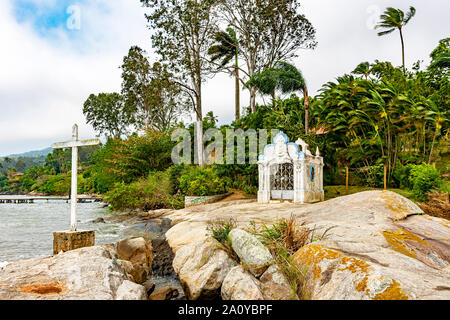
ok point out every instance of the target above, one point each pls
(422, 179)
(219, 230)
(198, 181)
(283, 239)
(153, 192)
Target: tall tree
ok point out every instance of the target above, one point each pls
(150, 91)
(182, 34)
(393, 19)
(225, 49)
(268, 31)
(107, 113)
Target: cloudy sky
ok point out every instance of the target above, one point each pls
(57, 52)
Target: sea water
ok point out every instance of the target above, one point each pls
(26, 230)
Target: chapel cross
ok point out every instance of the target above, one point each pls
(74, 144)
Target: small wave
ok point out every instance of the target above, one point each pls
(3, 264)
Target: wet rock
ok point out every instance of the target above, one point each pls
(99, 220)
(201, 267)
(149, 286)
(162, 258)
(241, 285)
(251, 251)
(164, 293)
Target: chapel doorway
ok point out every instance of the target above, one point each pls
(282, 181)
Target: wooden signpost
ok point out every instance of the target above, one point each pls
(73, 239)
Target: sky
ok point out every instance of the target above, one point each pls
(55, 53)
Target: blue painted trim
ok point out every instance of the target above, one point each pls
(310, 173)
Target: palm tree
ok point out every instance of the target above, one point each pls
(226, 49)
(393, 19)
(283, 77)
(441, 61)
(362, 69)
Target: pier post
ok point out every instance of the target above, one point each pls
(70, 240)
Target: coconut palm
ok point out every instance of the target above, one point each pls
(441, 61)
(225, 50)
(393, 19)
(283, 77)
(362, 69)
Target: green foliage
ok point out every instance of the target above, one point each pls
(130, 159)
(108, 114)
(153, 192)
(422, 179)
(220, 230)
(198, 181)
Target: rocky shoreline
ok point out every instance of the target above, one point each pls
(378, 245)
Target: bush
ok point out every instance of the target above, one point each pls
(131, 159)
(422, 179)
(198, 181)
(153, 192)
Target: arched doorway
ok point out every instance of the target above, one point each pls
(282, 181)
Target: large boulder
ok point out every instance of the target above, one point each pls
(241, 285)
(253, 254)
(274, 285)
(89, 273)
(131, 291)
(137, 251)
(201, 267)
(405, 249)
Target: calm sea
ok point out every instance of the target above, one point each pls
(26, 230)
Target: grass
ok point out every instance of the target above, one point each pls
(283, 239)
(338, 191)
(219, 230)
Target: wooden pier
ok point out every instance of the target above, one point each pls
(34, 199)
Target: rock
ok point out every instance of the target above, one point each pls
(185, 233)
(164, 293)
(381, 228)
(98, 220)
(201, 267)
(334, 275)
(240, 285)
(137, 271)
(162, 258)
(89, 273)
(251, 251)
(274, 285)
(138, 251)
(149, 286)
(130, 291)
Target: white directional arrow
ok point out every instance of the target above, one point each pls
(74, 144)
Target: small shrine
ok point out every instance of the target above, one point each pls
(289, 171)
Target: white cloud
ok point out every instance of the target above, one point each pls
(45, 80)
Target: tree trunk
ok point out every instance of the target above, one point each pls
(306, 104)
(252, 100)
(403, 48)
(237, 93)
(199, 131)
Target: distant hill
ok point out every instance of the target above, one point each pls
(31, 154)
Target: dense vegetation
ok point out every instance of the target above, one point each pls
(374, 117)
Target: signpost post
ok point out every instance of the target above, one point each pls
(73, 239)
